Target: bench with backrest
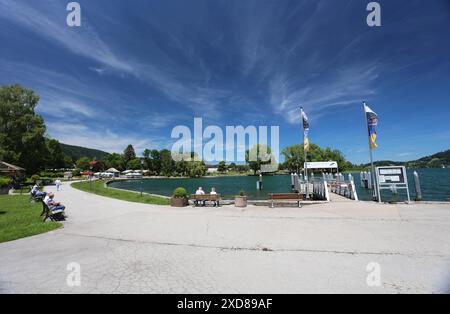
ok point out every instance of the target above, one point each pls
(55, 215)
(212, 198)
(285, 198)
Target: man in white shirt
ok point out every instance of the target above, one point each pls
(52, 205)
(200, 192)
(58, 184)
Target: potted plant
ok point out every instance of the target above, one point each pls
(179, 198)
(4, 185)
(241, 199)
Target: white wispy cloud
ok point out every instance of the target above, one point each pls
(103, 139)
(342, 87)
(84, 41)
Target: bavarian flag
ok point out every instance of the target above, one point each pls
(305, 121)
(372, 123)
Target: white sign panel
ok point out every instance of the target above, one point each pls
(391, 177)
(322, 165)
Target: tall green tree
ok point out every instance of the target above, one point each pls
(55, 159)
(167, 163)
(147, 160)
(134, 164)
(83, 163)
(258, 155)
(196, 169)
(155, 162)
(129, 154)
(222, 167)
(22, 131)
(294, 157)
(182, 167)
(115, 160)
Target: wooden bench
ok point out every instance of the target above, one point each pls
(206, 198)
(285, 197)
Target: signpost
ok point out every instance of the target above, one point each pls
(330, 165)
(392, 178)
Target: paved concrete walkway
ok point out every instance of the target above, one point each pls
(125, 247)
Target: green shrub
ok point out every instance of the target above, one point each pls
(51, 174)
(4, 182)
(242, 193)
(35, 177)
(180, 193)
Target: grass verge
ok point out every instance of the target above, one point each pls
(98, 187)
(19, 218)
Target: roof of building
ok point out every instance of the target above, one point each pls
(4, 166)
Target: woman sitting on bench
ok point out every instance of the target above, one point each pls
(213, 192)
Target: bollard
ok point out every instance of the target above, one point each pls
(417, 185)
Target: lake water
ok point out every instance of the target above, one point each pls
(435, 185)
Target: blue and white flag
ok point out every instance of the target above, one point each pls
(372, 123)
(305, 131)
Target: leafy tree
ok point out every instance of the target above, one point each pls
(155, 161)
(129, 154)
(222, 167)
(68, 162)
(55, 158)
(134, 164)
(22, 140)
(243, 168)
(181, 167)
(232, 166)
(84, 164)
(258, 155)
(167, 163)
(115, 160)
(196, 169)
(294, 157)
(147, 160)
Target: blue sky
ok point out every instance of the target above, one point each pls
(135, 69)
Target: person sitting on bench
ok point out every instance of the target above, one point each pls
(213, 192)
(49, 200)
(200, 192)
(36, 193)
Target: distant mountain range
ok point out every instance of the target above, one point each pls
(76, 152)
(434, 161)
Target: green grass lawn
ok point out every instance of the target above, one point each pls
(19, 218)
(98, 187)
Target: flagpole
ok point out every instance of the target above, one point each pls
(374, 183)
(305, 156)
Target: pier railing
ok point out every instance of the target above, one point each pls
(340, 185)
(316, 189)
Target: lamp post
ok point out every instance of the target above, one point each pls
(142, 174)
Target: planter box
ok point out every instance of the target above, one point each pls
(179, 202)
(4, 190)
(240, 201)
